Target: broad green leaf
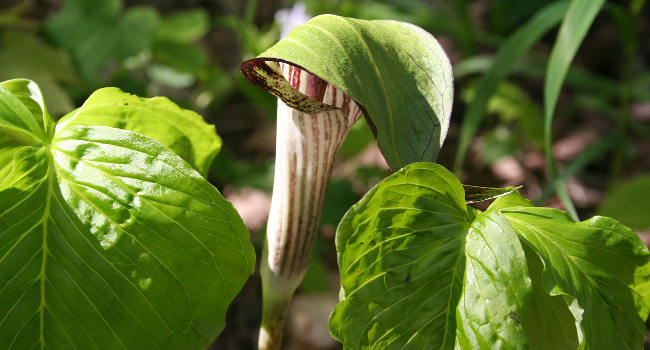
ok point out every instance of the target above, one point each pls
(182, 130)
(549, 323)
(396, 71)
(404, 247)
(400, 252)
(576, 22)
(97, 33)
(509, 53)
(597, 262)
(475, 194)
(496, 288)
(532, 278)
(111, 241)
(628, 202)
(513, 199)
(20, 116)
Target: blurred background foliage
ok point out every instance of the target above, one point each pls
(190, 50)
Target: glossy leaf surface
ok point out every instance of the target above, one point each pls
(396, 71)
(421, 270)
(401, 248)
(182, 130)
(111, 241)
(496, 288)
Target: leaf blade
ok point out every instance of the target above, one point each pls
(184, 131)
(578, 260)
(404, 88)
(161, 283)
(496, 289)
(388, 261)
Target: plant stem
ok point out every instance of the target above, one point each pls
(305, 148)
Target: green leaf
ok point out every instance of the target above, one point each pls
(184, 27)
(97, 33)
(184, 131)
(548, 323)
(396, 71)
(596, 262)
(496, 287)
(110, 240)
(475, 194)
(576, 22)
(628, 202)
(401, 248)
(21, 117)
(8, 147)
(531, 277)
(509, 53)
(404, 246)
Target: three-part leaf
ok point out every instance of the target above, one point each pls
(110, 240)
(421, 270)
(395, 71)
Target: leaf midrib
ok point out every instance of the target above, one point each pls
(44, 249)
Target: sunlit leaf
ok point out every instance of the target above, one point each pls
(110, 240)
(596, 262)
(184, 131)
(421, 270)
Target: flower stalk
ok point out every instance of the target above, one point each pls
(306, 145)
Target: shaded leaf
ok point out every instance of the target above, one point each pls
(182, 130)
(548, 323)
(396, 71)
